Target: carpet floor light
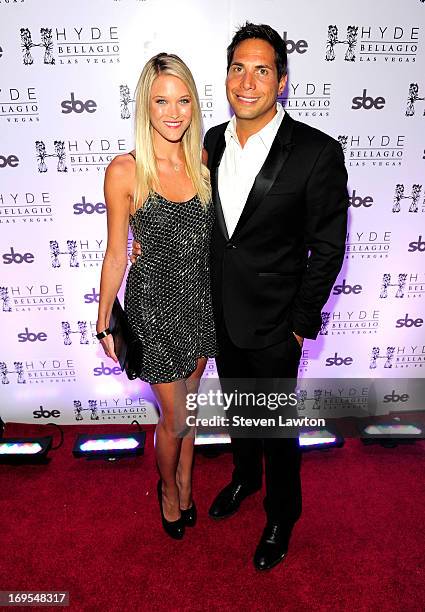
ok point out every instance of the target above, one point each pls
(110, 446)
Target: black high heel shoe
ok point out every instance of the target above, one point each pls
(189, 515)
(175, 529)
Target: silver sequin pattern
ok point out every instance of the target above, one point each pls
(168, 296)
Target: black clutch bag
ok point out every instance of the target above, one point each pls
(128, 348)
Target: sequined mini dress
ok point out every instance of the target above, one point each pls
(167, 296)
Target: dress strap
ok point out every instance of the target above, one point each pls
(132, 155)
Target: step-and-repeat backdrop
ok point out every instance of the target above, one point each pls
(68, 72)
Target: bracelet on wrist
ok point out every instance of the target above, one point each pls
(103, 333)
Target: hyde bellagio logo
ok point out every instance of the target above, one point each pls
(395, 43)
(32, 298)
(349, 322)
(368, 245)
(46, 44)
(414, 196)
(126, 99)
(78, 155)
(91, 252)
(84, 332)
(305, 360)
(312, 99)
(401, 285)
(206, 101)
(17, 367)
(110, 409)
(397, 357)
(364, 151)
(412, 98)
(387, 356)
(19, 105)
(26, 208)
(71, 250)
(37, 372)
(333, 397)
(59, 154)
(350, 42)
(71, 45)
(309, 399)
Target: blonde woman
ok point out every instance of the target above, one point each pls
(162, 190)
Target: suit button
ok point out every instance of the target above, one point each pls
(230, 245)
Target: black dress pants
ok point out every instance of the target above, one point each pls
(282, 456)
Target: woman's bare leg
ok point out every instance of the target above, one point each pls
(185, 464)
(172, 404)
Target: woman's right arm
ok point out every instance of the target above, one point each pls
(115, 260)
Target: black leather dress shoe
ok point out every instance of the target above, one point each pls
(229, 499)
(273, 546)
(189, 515)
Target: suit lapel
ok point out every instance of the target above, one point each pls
(269, 172)
(218, 154)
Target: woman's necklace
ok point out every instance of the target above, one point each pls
(176, 167)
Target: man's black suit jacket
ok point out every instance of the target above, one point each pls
(275, 273)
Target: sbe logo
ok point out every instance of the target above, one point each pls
(417, 245)
(12, 257)
(299, 46)
(78, 106)
(394, 397)
(28, 336)
(42, 413)
(408, 322)
(91, 298)
(88, 208)
(338, 361)
(357, 201)
(106, 370)
(346, 289)
(10, 160)
(367, 102)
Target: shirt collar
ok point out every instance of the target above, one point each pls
(266, 135)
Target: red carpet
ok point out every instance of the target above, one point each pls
(93, 528)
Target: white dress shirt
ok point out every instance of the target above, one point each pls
(239, 166)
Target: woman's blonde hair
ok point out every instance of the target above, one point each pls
(146, 166)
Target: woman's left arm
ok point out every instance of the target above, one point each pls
(115, 260)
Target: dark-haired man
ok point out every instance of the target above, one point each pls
(279, 188)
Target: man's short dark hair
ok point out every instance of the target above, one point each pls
(264, 32)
